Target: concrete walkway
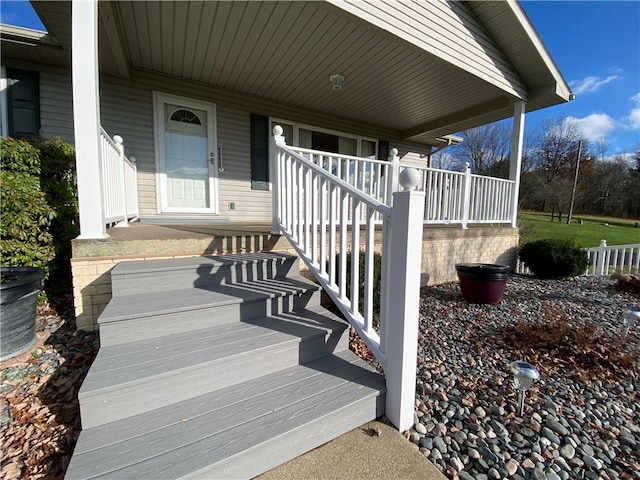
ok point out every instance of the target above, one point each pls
(360, 455)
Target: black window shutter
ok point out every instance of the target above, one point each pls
(259, 152)
(383, 153)
(23, 103)
(383, 150)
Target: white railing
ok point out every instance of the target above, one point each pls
(463, 198)
(451, 197)
(119, 182)
(605, 259)
(369, 175)
(312, 208)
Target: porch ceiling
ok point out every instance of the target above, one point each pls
(286, 52)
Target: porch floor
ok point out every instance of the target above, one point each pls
(142, 239)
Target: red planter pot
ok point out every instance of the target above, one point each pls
(482, 282)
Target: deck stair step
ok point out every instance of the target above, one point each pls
(239, 431)
(166, 275)
(217, 367)
(127, 379)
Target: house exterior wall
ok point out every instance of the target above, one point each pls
(442, 248)
(126, 109)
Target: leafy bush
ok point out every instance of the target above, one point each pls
(377, 281)
(39, 207)
(554, 258)
(58, 181)
(25, 215)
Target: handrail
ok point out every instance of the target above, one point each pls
(372, 202)
(313, 208)
(338, 155)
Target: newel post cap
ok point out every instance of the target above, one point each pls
(118, 139)
(409, 178)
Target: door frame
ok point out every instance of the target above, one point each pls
(159, 99)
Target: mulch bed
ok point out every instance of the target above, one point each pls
(39, 414)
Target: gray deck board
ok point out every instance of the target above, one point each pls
(157, 419)
(166, 265)
(133, 361)
(193, 444)
(160, 303)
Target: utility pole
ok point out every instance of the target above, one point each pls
(575, 183)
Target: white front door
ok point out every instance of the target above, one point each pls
(186, 160)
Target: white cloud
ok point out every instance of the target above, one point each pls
(595, 126)
(632, 121)
(591, 84)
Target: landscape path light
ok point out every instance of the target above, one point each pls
(524, 374)
(630, 317)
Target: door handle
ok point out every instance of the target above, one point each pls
(212, 158)
(220, 163)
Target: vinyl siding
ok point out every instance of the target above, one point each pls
(56, 106)
(446, 29)
(233, 129)
(126, 109)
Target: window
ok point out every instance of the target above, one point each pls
(185, 116)
(325, 140)
(23, 103)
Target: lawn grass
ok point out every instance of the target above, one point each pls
(616, 231)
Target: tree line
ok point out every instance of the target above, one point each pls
(606, 185)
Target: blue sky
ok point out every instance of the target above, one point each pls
(596, 45)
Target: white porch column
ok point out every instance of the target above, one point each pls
(86, 116)
(515, 161)
(402, 295)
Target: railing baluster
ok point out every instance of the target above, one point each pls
(369, 270)
(344, 203)
(355, 255)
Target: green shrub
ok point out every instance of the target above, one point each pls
(58, 181)
(39, 208)
(554, 258)
(25, 215)
(377, 282)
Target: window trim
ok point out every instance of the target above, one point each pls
(297, 125)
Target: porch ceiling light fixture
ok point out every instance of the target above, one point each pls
(524, 374)
(630, 318)
(336, 81)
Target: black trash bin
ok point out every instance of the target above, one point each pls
(19, 289)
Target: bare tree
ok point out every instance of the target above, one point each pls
(555, 150)
(445, 160)
(485, 146)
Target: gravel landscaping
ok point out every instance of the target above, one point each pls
(581, 419)
(39, 418)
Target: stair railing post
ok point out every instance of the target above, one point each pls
(401, 312)
(276, 201)
(392, 176)
(602, 253)
(466, 196)
(117, 139)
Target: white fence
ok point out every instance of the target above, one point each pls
(312, 207)
(606, 259)
(119, 182)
